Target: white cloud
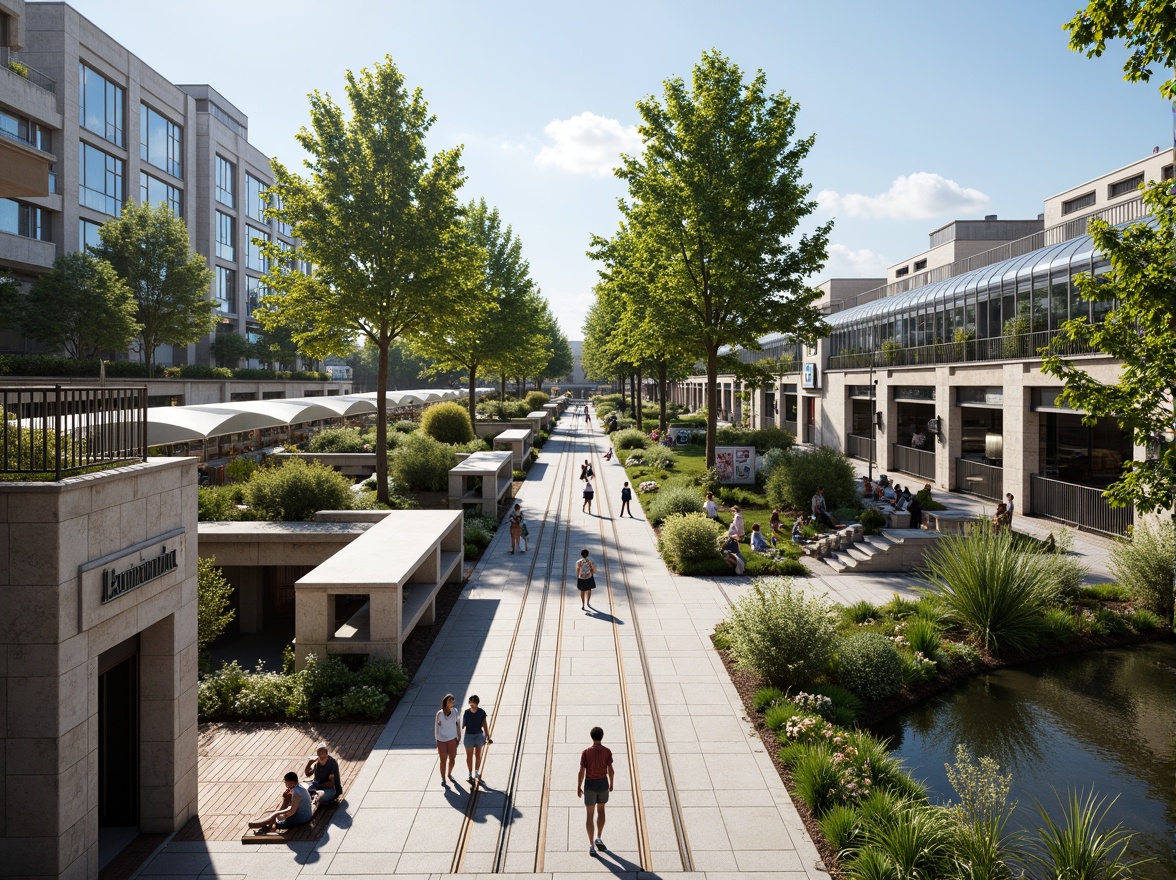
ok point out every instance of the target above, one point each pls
(847, 263)
(587, 144)
(921, 195)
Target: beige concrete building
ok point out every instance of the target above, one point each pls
(116, 130)
(937, 378)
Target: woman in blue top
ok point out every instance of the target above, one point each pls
(758, 542)
(477, 735)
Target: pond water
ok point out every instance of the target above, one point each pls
(1104, 720)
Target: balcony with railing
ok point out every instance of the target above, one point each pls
(1080, 506)
(977, 478)
(997, 348)
(10, 62)
(857, 446)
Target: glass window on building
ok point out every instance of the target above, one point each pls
(153, 191)
(1088, 455)
(225, 181)
(255, 289)
(254, 258)
(101, 105)
(88, 234)
(13, 126)
(283, 226)
(225, 236)
(226, 290)
(100, 181)
(160, 141)
(255, 198)
(27, 221)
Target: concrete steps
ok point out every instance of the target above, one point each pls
(851, 552)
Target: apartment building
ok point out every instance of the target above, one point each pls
(110, 129)
(937, 376)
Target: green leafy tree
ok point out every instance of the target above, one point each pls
(378, 221)
(1139, 331)
(715, 202)
(275, 348)
(214, 611)
(80, 307)
(527, 355)
(1147, 27)
(473, 338)
(149, 249)
(230, 349)
(562, 362)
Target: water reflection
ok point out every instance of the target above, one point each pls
(1105, 720)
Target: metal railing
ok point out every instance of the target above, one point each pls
(976, 478)
(1079, 506)
(857, 446)
(64, 430)
(791, 427)
(1124, 212)
(917, 462)
(10, 61)
(996, 348)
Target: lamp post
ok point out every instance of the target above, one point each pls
(873, 420)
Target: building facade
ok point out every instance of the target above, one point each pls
(116, 130)
(936, 377)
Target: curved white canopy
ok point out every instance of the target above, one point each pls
(178, 424)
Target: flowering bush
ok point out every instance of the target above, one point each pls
(818, 703)
(647, 487)
(636, 458)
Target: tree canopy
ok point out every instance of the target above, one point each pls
(150, 251)
(1147, 27)
(80, 306)
(1140, 331)
(711, 222)
(379, 223)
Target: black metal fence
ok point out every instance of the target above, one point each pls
(1079, 506)
(976, 478)
(997, 348)
(857, 446)
(918, 462)
(64, 430)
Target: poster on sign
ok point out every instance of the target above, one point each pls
(735, 464)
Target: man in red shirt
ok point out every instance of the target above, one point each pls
(593, 784)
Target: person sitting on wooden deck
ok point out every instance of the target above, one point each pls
(325, 788)
(292, 809)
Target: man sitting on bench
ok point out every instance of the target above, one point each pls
(292, 809)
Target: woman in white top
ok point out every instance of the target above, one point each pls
(736, 529)
(445, 730)
(585, 579)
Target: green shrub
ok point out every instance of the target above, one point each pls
(872, 521)
(924, 636)
(630, 438)
(240, 469)
(915, 670)
(845, 702)
(689, 538)
(915, 841)
(387, 675)
(782, 632)
(771, 458)
(842, 827)
(363, 701)
(658, 457)
(448, 422)
(1065, 574)
(472, 551)
(218, 692)
(1144, 620)
(816, 778)
(295, 490)
(1077, 844)
(1105, 593)
(991, 585)
(636, 458)
(762, 439)
(1110, 622)
(860, 612)
(926, 501)
(324, 678)
(773, 563)
(337, 440)
(1058, 623)
(765, 697)
(536, 400)
(422, 464)
(265, 696)
(868, 664)
(218, 503)
(1148, 562)
(775, 717)
(404, 426)
(899, 607)
(673, 499)
(961, 652)
(214, 594)
(795, 479)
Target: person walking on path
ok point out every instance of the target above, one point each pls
(585, 579)
(586, 471)
(589, 494)
(516, 527)
(477, 736)
(626, 497)
(594, 782)
(326, 787)
(736, 529)
(1009, 510)
(445, 730)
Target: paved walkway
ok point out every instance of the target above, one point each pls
(696, 792)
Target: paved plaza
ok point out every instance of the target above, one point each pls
(696, 795)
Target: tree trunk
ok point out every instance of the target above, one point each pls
(638, 405)
(473, 405)
(382, 424)
(661, 394)
(501, 394)
(712, 401)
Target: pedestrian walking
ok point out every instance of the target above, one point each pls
(585, 468)
(477, 736)
(585, 579)
(589, 494)
(516, 527)
(1009, 510)
(593, 783)
(445, 730)
(626, 497)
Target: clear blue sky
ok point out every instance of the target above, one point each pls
(923, 111)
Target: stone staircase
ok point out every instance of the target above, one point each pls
(849, 551)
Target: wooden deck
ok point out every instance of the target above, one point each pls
(241, 767)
